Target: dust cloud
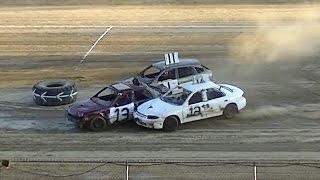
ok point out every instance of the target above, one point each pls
(279, 39)
(306, 111)
(267, 111)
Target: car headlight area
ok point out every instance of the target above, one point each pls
(152, 117)
(148, 121)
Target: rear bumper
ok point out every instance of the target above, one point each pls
(242, 103)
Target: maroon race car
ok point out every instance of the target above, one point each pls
(113, 103)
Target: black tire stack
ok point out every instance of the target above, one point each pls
(54, 92)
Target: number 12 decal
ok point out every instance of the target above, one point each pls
(194, 111)
(124, 112)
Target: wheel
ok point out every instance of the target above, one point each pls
(98, 123)
(54, 92)
(230, 111)
(171, 123)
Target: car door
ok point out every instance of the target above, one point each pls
(123, 108)
(202, 74)
(168, 78)
(216, 101)
(195, 107)
(185, 74)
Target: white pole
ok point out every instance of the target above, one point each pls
(255, 171)
(127, 169)
(94, 44)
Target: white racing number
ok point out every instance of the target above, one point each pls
(170, 84)
(198, 79)
(121, 113)
(171, 58)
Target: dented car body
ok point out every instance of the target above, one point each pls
(113, 103)
(173, 71)
(190, 102)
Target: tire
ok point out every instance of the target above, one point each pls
(170, 124)
(54, 92)
(98, 123)
(230, 111)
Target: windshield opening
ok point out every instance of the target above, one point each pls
(151, 72)
(176, 96)
(105, 97)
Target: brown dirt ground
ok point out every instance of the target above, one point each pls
(21, 48)
(280, 122)
(130, 15)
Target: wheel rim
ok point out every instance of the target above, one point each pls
(98, 123)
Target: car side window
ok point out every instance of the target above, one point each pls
(214, 93)
(170, 74)
(185, 71)
(150, 72)
(199, 69)
(195, 98)
(124, 98)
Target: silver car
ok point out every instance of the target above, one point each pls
(172, 74)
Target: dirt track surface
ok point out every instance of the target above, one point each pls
(39, 3)
(281, 121)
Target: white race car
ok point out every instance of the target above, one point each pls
(190, 102)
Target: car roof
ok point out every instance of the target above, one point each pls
(183, 62)
(193, 87)
(121, 87)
